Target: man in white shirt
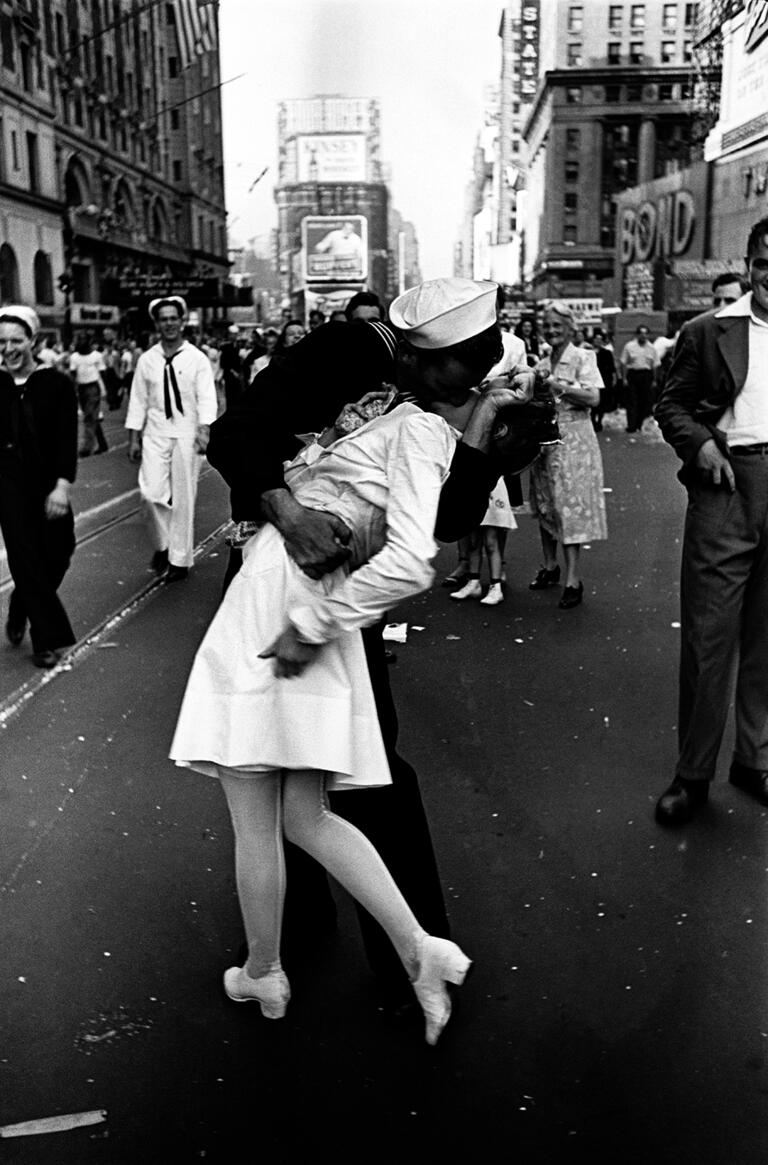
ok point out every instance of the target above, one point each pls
(639, 365)
(714, 412)
(172, 406)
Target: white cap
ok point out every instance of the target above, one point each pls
(442, 312)
(22, 314)
(168, 301)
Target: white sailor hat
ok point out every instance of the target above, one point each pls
(19, 313)
(168, 301)
(442, 312)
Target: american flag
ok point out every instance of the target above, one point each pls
(195, 28)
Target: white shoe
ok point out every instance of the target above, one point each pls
(470, 590)
(494, 597)
(271, 991)
(440, 962)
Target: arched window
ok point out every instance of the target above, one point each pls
(122, 204)
(159, 222)
(43, 278)
(9, 275)
(77, 190)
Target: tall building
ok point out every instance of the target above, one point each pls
(489, 240)
(111, 167)
(612, 110)
(332, 202)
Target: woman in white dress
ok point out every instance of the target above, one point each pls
(279, 704)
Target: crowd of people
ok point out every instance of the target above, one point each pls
(352, 450)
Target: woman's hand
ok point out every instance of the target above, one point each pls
(291, 656)
(352, 416)
(57, 502)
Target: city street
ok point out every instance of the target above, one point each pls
(618, 1010)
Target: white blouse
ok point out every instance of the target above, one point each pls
(384, 481)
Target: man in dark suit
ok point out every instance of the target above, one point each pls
(714, 412)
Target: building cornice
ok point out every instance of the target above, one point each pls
(29, 198)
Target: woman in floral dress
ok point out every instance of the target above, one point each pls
(567, 480)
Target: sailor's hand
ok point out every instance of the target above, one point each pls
(316, 541)
(291, 656)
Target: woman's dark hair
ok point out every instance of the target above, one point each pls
(478, 353)
(83, 345)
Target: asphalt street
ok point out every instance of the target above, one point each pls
(618, 1009)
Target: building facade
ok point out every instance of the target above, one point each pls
(111, 165)
(332, 202)
(612, 111)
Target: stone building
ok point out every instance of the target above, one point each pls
(111, 168)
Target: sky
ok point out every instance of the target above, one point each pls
(428, 61)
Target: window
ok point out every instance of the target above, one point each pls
(574, 55)
(173, 67)
(572, 171)
(9, 274)
(636, 52)
(43, 277)
(637, 17)
(573, 95)
(78, 111)
(26, 75)
(6, 35)
(569, 232)
(614, 53)
(572, 140)
(615, 17)
(15, 150)
(575, 18)
(687, 52)
(634, 93)
(612, 94)
(571, 201)
(174, 119)
(669, 17)
(691, 14)
(177, 171)
(667, 52)
(33, 164)
(666, 93)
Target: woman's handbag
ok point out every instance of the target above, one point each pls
(522, 430)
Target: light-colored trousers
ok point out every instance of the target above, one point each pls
(168, 477)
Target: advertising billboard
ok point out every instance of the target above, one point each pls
(335, 248)
(331, 157)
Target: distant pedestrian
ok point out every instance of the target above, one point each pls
(365, 305)
(727, 288)
(606, 366)
(316, 319)
(173, 403)
(86, 365)
(639, 366)
(38, 463)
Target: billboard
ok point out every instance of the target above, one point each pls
(331, 157)
(335, 248)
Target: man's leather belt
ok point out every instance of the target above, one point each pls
(761, 448)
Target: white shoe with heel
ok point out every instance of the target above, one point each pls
(271, 991)
(441, 963)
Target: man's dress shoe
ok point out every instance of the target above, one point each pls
(752, 781)
(679, 802)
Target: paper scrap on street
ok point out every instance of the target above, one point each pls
(396, 632)
(54, 1124)
(455, 638)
